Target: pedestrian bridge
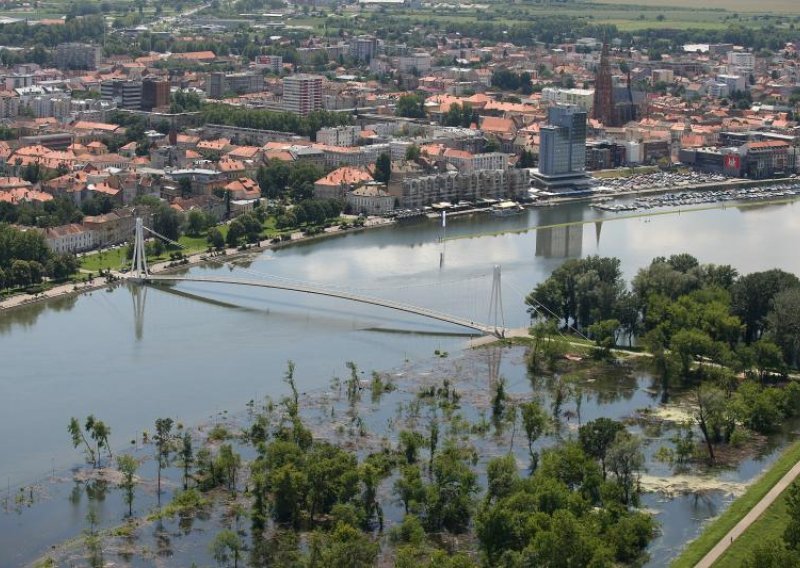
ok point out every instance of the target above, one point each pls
(141, 274)
(331, 293)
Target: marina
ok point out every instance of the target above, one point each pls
(693, 198)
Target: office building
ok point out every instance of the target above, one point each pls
(155, 94)
(562, 150)
(127, 94)
(302, 94)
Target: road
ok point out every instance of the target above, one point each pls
(754, 513)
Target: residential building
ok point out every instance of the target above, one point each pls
(340, 181)
(453, 187)
(363, 48)
(370, 199)
(734, 82)
(339, 136)
(415, 63)
(77, 56)
(583, 98)
(115, 227)
(742, 60)
(271, 63)
(662, 76)
(302, 94)
(219, 84)
(469, 162)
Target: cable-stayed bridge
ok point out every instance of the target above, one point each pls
(141, 274)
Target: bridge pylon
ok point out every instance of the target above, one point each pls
(496, 316)
(139, 260)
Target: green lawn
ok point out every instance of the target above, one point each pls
(115, 259)
(719, 527)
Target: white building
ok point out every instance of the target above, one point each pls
(419, 61)
(341, 136)
(468, 162)
(742, 60)
(717, 89)
(71, 238)
(734, 82)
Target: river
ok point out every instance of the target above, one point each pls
(131, 355)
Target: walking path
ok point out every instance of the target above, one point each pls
(720, 548)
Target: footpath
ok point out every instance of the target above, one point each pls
(715, 553)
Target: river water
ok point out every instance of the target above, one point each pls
(131, 355)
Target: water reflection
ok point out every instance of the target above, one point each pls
(560, 242)
(27, 316)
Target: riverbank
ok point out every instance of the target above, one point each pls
(718, 528)
(197, 259)
(169, 266)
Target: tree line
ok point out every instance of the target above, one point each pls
(214, 113)
(703, 324)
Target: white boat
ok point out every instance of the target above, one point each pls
(506, 208)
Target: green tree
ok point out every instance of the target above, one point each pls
(383, 168)
(412, 153)
(127, 466)
(410, 489)
(236, 231)
(767, 357)
(227, 547)
(166, 221)
(502, 477)
(791, 535)
(163, 440)
(196, 222)
(79, 438)
(449, 502)
(783, 322)
(752, 297)
(626, 461)
(411, 106)
(597, 436)
(186, 456)
(228, 462)
(535, 421)
(215, 239)
(345, 546)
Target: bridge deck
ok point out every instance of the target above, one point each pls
(319, 291)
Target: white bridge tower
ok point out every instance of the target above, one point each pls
(139, 260)
(496, 317)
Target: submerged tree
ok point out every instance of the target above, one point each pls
(163, 440)
(535, 421)
(227, 547)
(127, 466)
(97, 431)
